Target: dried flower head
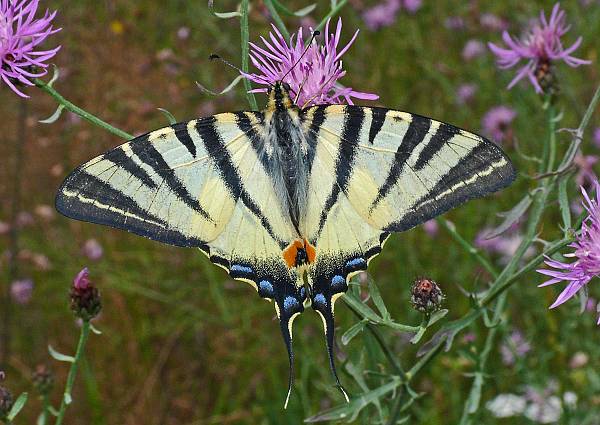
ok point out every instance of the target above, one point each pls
(426, 295)
(85, 298)
(586, 252)
(540, 48)
(313, 79)
(43, 379)
(20, 35)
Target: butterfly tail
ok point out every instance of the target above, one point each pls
(323, 302)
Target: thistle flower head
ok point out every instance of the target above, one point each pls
(312, 76)
(20, 35)
(85, 298)
(426, 295)
(586, 254)
(539, 48)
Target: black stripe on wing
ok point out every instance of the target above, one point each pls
(87, 198)
(377, 120)
(118, 157)
(183, 135)
(486, 164)
(444, 133)
(353, 123)
(217, 151)
(147, 153)
(417, 130)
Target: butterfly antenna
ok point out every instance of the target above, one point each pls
(217, 57)
(312, 37)
(318, 92)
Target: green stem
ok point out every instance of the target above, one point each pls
(77, 110)
(45, 409)
(331, 14)
(66, 400)
(245, 36)
(277, 19)
(450, 228)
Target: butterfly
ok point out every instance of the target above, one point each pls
(294, 201)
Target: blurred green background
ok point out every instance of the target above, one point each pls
(184, 344)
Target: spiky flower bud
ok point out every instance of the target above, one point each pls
(426, 295)
(85, 298)
(6, 400)
(43, 379)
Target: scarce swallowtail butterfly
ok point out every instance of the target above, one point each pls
(287, 195)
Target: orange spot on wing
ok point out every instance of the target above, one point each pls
(290, 252)
(310, 251)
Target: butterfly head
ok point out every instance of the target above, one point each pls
(279, 97)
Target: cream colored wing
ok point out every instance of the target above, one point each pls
(377, 171)
(202, 183)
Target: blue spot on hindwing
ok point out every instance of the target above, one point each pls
(265, 288)
(337, 280)
(241, 269)
(320, 300)
(302, 293)
(289, 303)
(356, 262)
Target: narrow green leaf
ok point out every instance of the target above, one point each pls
(563, 202)
(169, 116)
(361, 309)
(377, 300)
(41, 420)
(438, 315)
(349, 411)
(55, 75)
(352, 332)
(511, 217)
(60, 357)
(68, 398)
(299, 13)
(53, 411)
(222, 15)
(475, 394)
(95, 329)
(16, 408)
(55, 116)
(227, 89)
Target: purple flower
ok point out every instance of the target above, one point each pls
(586, 252)
(92, 249)
(496, 123)
(20, 35)
(382, 15)
(465, 93)
(313, 79)
(431, 227)
(504, 245)
(412, 6)
(473, 48)
(596, 137)
(21, 291)
(513, 347)
(454, 23)
(539, 48)
(85, 298)
(585, 169)
(491, 22)
(82, 280)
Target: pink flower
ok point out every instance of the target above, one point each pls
(491, 22)
(431, 227)
(596, 137)
(456, 23)
(21, 291)
(539, 48)
(412, 6)
(465, 93)
(381, 15)
(586, 253)
(82, 280)
(92, 249)
(585, 169)
(497, 123)
(473, 49)
(313, 79)
(20, 36)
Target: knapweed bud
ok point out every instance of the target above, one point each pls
(6, 400)
(426, 295)
(85, 298)
(43, 379)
